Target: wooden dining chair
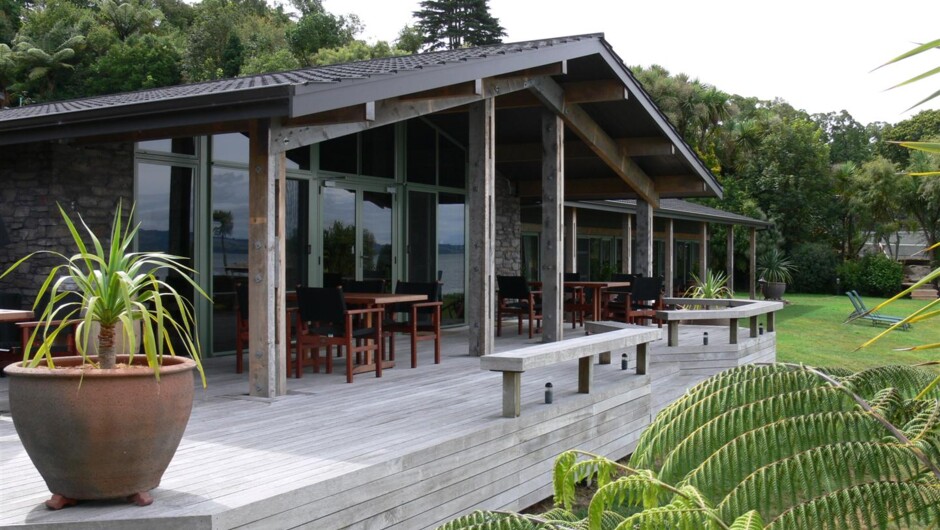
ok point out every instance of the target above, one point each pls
(420, 320)
(324, 321)
(644, 299)
(575, 301)
(614, 302)
(515, 298)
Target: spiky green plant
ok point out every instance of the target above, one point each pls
(776, 267)
(775, 447)
(712, 285)
(113, 285)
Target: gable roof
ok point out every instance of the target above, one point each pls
(309, 91)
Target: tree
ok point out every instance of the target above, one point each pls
(880, 193)
(849, 140)
(10, 12)
(452, 24)
(146, 61)
(278, 61)
(318, 29)
(410, 39)
(129, 16)
(357, 50)
(922, 125)
(233, 55)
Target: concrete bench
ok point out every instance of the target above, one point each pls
(512, 363)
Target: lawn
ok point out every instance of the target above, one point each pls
(810, 330)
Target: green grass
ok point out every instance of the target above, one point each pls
(810, 330)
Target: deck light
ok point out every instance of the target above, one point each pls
(705, 339)
(760, 328)
(548, 393)
(623, 362)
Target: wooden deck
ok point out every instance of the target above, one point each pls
(406, 451)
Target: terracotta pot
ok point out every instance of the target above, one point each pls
(100, 434)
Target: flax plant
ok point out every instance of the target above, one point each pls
(113, 286)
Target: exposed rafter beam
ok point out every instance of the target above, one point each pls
(354, 113)
(559, 68)
(575, 149)
(575, 92)
(579, 189)
(395, 110)
(553, 96)
(470, 88)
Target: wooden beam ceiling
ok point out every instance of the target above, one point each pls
(553, 96)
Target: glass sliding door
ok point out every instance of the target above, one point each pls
(338, 218)
(452, 255)
(375, 248)
(357, 232)
(422, 237)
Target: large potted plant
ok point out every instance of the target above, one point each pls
(104, 425)
(774, 270)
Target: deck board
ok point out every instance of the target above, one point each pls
(407, 450)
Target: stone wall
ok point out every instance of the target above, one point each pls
(85, 179)
(508, 229)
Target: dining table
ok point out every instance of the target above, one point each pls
(15, 315)
(597, 289)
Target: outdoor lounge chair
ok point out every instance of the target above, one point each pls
(875, 318)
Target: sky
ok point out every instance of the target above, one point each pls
(817, 55)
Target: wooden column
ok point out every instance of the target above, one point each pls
(752, 272)
(644, 239)
(571, 239)
(481, 297)
(703, 253)
(669, 257)
(267, 352)
(626, 258)
(730, 258)
(552, 242)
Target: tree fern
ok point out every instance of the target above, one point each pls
(695, 411)
(788, 482)
(908, 380)
(749, 521)
(698, 445)
(732, 463)
(875, 505)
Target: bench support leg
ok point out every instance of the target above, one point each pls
(642, 360)
(672, 329)
(585, 374)
(753, 327)
(604, 358)
(770, 322)
(512, 394)
(733, 331)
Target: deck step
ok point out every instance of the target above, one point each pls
(924, 294)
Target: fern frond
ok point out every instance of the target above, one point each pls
(696, 447)
(781, 485)
(662, 437)
(749, 521)
(724, 469)
(888, 402)
(559, 515)
(487, 520)
(564, 492)
(668, 517)
(908, 380)
(639, 490)
(900, 505)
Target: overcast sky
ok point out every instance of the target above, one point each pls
(815, 54)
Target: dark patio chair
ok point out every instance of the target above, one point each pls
(515, 298)
(420, 320)
(332, 279)
(874, 318)
(641, 303)
(324, 321)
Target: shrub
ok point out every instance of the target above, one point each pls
(881, 275)
(815, 264)
(850, 276)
